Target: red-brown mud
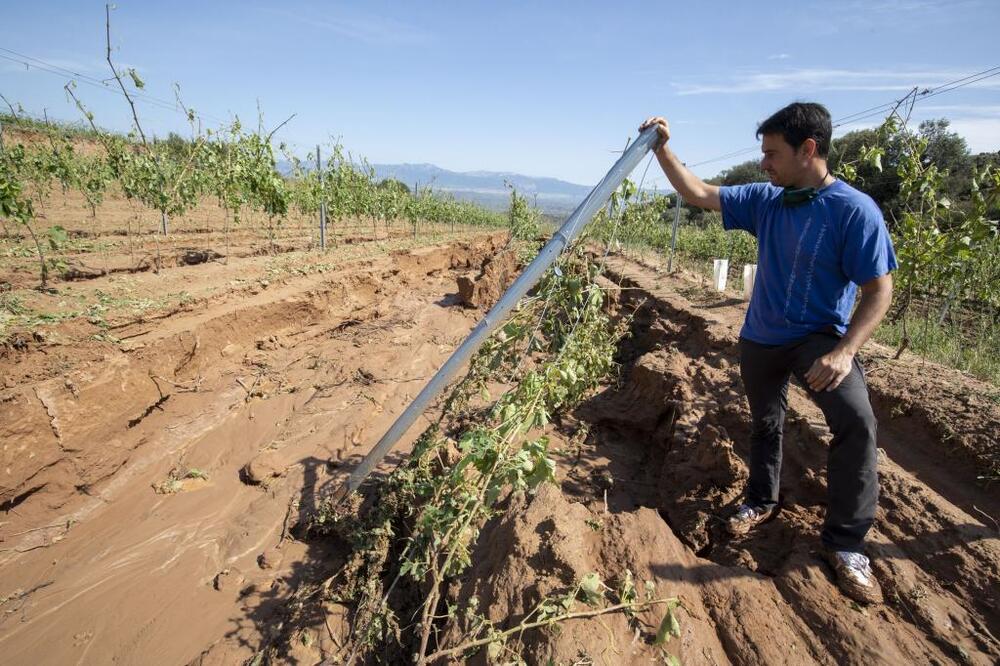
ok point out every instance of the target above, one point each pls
(675, 437)
(142, 481)
(150, 493)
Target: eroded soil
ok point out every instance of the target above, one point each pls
(143, 481)
(152, 490)
(674, 438)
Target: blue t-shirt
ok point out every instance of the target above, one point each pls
(810, 259)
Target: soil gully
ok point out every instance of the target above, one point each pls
(674, 437)
(181, 250)
(142, 529)
(650, 469)
(273, 395)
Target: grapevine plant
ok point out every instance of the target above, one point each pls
(26, 177)
(941, 248)
(235, 165)
(426, 517)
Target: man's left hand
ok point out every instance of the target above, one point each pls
(829, 370)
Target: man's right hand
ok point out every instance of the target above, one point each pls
(694, 190)
(662, 128)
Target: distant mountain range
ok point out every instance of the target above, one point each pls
(487, 188)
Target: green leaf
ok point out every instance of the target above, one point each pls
(544, 469)
(139, 83)
(57, 236)
(668, 627)
(591, 588)
(675, 625)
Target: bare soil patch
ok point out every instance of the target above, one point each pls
(153, 490)
(130, 531)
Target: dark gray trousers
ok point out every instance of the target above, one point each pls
(852, 481)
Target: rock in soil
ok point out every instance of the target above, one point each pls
(264, 468)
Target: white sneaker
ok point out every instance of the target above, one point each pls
(854, 576)
(746, 518)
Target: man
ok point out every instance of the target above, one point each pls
(819, 239)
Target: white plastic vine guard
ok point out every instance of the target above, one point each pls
(720, 273)
(749, 277)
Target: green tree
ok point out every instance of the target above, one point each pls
(948, 152)
(743, 173)
(394, 185)
(879, 180)
(176, 146)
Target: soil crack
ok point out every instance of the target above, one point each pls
(50, 411)
(149, 410)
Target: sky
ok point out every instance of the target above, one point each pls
(543, 89)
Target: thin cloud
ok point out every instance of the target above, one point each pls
(982, 134)
(368, 29)
(841, 130)
(779, 56)
(827, 80)
(974, 110)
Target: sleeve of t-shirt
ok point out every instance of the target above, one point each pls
(741, 206)
(868, 251)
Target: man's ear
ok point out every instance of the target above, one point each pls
(808, 148)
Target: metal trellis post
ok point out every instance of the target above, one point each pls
(322, 202)
(673, 236)
(499, 312)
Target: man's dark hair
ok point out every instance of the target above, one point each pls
(800, 121)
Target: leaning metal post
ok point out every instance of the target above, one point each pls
(499, 312)
(673, 236)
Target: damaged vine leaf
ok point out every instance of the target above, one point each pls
(557, 347)
(669, 626)
(549, 613)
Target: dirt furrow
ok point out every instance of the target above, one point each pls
(255, 404)
(649, 470)
(681, 399)
(148, 526)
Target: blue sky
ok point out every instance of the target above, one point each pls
(545, 89)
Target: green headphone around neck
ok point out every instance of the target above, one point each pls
(796, 196)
